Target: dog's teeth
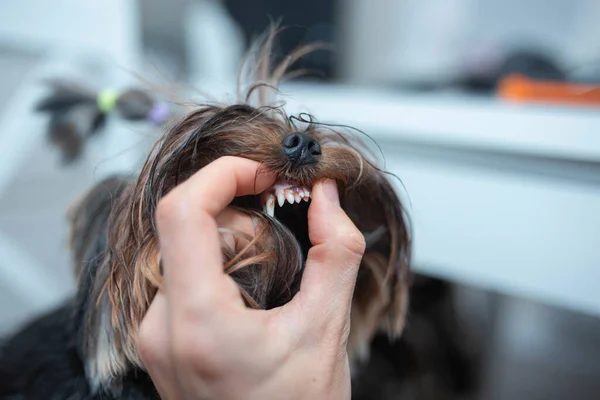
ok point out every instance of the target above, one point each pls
(280, 198)
(270, 206)
(290, 197)
(290, 194)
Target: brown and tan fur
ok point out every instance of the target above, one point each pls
(254, 132)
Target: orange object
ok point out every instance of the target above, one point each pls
(523, 89)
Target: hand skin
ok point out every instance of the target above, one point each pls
(199, 341)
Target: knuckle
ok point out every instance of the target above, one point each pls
(353, 241)
(197, 349)
(225, 160)
(183, 354)
(145, 345)
(188, 345)
(196, 311)
(176, 208)
(193, 333)
(150, 345)
(168, 209)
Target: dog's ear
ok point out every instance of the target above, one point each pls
(381, 294)
(89, 218)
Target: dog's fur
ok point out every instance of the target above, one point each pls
(436, 358)
(87, 348)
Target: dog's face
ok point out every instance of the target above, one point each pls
(268, 273)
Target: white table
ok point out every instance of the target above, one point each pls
(503, 197)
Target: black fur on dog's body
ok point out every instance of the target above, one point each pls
(41, 362)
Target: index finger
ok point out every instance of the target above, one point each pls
(189, 239)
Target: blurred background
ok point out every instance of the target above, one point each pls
(501, 179)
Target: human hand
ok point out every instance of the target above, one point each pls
(199, 341)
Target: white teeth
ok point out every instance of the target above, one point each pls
(306, 195)
(290, 197)
(281, 193)
(270, 206)
(280, 198)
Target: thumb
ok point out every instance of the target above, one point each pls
(338, 246)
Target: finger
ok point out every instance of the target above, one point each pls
(332, 263)
(155, 350)
(187, 230)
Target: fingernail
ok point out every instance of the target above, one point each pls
(331, 191)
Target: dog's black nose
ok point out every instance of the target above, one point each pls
(301, 148)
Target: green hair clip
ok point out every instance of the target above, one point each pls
(107, 100)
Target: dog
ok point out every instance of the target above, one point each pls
(436, 358)
(87, 348)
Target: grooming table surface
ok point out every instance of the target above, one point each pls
(502, 196)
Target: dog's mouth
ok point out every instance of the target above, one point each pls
(283, 193)
(288, 203)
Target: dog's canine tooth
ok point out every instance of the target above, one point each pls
(284, 191)
(280, 198)
(270, 206)
(290, 197)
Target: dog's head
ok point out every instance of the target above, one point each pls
(299, 151)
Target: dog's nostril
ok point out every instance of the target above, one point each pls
(314, 147)
(292, 141)
(301, 148)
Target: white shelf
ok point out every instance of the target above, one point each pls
(447, 120)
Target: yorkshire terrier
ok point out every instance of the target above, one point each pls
(87, 348)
